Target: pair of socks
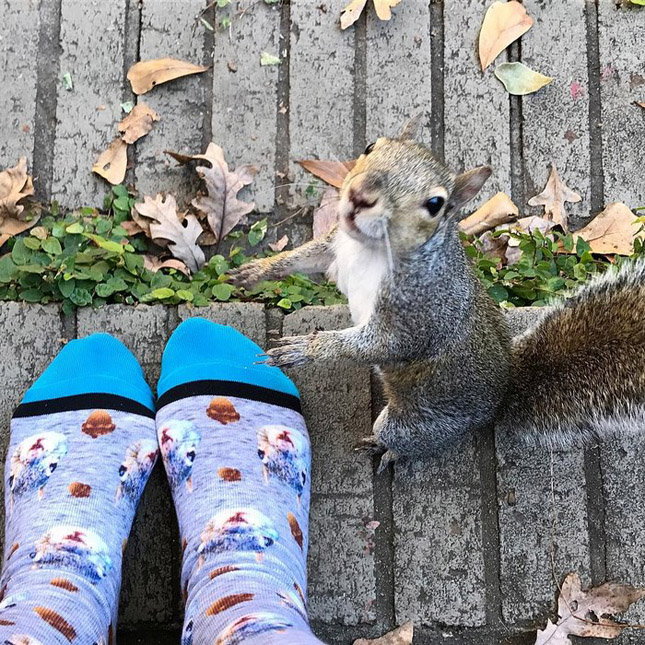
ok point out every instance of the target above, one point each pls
(236, 451)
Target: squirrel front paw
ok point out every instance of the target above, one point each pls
(292, 351)
(249, 274)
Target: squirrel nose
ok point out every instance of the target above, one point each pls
(359, 199)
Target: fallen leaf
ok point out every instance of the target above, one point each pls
(112, 163)
(641, 104)
(331, 172)
(588, 613)
(504, 23)
(167, 225)
(68, 84)
(223, 209)
(519, 79)
(351, 13)
(15, 186)
(144, 75)
(138, 123)
(326, 215)
(132, 228)
(269, 59)
(280, 244)
(612, 231)
(499, 209)
(400, 636)
(154, 263)
(533, 223)
(553, 197)
(127, 106)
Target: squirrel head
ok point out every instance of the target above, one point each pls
(397, 189)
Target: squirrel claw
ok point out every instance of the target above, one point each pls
(388, 458)
(370, 445)
(290, 352)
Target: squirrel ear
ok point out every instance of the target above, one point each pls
(411, 128)
(468, 184)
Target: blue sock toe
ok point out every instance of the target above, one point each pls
(201, 350)
(97, 364)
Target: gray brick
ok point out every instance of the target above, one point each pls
(321, 87)
(621, 31)
(87, 116)
(18, 51)
(150, 592)
(168, 29)
(336, 403)
(248, 318)
(556, 119)
(438, 565)
(244, 101)
(623, 475)
(476, 105)
(398, 64)
(526, 519)
(341, 561)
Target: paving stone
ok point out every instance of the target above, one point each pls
(476, 105)
(245, 96)
(92, 52)
(321, 88)
(623, 476)
(341, 587)
(556, 119)
(336, 403)
(398, 64)
(527, 515)
(621, 31)
(169, 29)
(150, 585)
(248, 318)
(438, 562)
(18, 51)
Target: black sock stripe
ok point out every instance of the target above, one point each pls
(229, 388)
(82, 402)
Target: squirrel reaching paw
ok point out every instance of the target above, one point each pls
(440, 344)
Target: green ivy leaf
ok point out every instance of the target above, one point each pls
(73, 229)
(223, 291)
(284, 303)
(66, 287)
(52, 246)
(81, 297)
(161, 294)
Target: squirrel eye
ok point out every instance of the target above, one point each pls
(434, 205)
(369, 148)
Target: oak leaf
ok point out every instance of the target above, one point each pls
(154, 263)
(326, 215)
(612, 231)
(503, 23)
(15, 186)
(144, 75)
(279, 244)
(112, 162)
(351, 13)
(400, 636)
(137, 123)
(224, 211)
(518, 79)
(553, 198)
(499, 209)
(588, 612)
(331, 172)
(166, 224)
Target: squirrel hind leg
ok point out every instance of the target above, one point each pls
(370, 445)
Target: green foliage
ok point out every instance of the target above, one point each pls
(547, 268)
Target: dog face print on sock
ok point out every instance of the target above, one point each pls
(285, 455)
(140, 458)
(178, 441)
(78, 549)
(34, 460)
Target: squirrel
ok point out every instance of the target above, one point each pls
(440, 344)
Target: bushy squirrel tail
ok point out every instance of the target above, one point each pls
(579, 374)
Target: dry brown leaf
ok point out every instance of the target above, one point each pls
(400, 636)
(154, 263)
(503, 23)
(167, 225)
(588, 613)
(331, 172)
(223, 209)
(499, 209)
(132, 228)
(553, 197)
(138, 123)
(144, 75)
(112, 163)
(612, 231)
(326, 215)
(351, 13)
(280, 244)
(15, 185)
(641, 104)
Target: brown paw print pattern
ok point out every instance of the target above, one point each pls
(99, 423)
(222, 410)
(229, 474)
(79, 489)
